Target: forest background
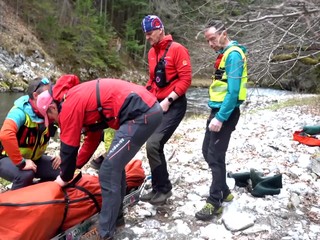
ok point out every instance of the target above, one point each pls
(95, 38)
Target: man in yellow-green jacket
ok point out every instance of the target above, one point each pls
(227, 92)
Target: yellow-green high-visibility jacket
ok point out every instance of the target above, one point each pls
(219, 85)
(33, 139)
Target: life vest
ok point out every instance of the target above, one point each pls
(219, 85)
(33, 139)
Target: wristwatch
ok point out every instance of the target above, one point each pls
(22, 164)
(170, 99)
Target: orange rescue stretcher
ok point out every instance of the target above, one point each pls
(47, 211)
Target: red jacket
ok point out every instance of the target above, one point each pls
(177, 63)
(80, 110)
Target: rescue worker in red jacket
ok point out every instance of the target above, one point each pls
(91, 107)
(24, 139)
(170, 77)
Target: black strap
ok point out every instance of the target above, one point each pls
(72, 184)
(99, 101)
(74, 181)
(66, 208)
(165, 52)
(100, 108)
(91, 196)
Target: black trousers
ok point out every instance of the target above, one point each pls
(127, 141)
(214, 148)
(23, 178)
(155, 144)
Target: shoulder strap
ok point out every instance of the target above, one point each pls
(234, 48)
(99, 100)
(165, 52)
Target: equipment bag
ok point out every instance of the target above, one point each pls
(43, 210)
(39, 211)
(306, 139)
(160, 70)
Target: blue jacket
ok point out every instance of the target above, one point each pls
(19, 111)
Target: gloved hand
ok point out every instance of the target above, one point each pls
(215, 125)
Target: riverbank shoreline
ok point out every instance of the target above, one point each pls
(261, 141)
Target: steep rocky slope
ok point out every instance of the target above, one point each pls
(22, 57)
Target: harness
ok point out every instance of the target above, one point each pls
(219, 86)
(103, 124)
(160, 71)
(33, 139)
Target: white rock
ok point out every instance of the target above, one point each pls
(182, 227)
(214, 232)
(236, 221)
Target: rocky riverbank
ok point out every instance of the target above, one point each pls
(262, 141)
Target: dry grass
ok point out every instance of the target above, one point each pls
(201, 82)
(312, 104)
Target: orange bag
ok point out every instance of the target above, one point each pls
(134, 174)
(306, 139)
(39, 211)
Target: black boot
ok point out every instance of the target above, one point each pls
(241, 179)
(96, 163)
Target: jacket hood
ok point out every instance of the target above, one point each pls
(235, 43)
(62, 86)
(24, 104)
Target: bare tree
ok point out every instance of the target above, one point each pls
(284, 43)
(282, 37)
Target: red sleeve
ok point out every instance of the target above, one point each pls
(70, 122)
(151, 65)
(90, 144)
(9, 141)
(183, 67)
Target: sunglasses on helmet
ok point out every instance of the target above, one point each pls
(44, 81)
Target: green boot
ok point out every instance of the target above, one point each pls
(241, 179)
(208, 212)
(262, 186)
(256, 177)
(311, 129)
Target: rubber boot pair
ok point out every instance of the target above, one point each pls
(260, 185)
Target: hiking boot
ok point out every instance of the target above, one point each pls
(208, 212)
(160, 198)
(93, 234)
(96, 163)
(228, 198)
(147, 197)
(120, 221)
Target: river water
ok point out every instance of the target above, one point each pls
(197, 100)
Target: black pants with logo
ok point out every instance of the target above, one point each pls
(155, 144)
(127, 141)
(214, 148)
